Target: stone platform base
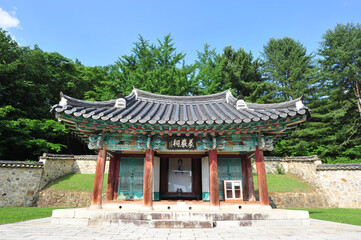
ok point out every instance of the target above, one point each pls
(181, 219)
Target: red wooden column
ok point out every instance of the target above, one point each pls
(261, 176)
(116, 180)
(249, 190)
(98, 179)
(213, 178)
(147, 186)
(111, 178)
(244, 178)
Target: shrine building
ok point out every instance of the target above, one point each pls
(164, 148)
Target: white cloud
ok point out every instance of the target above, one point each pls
(7, 21)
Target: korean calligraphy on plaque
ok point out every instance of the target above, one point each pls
(181, 143)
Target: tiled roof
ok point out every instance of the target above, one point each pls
(145, 107)
(20, 164)
(348, 166)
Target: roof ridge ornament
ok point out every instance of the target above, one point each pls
(120, 102)
(135, 93)
(63, 102)
(299, 105)
(241, 104)
(228, 96)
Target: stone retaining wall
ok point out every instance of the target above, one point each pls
(61, 198)
(55, 166)
(299, 200)
(341, 183)
(19, 183)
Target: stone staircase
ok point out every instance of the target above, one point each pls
(181, 219)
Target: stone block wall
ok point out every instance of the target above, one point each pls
(55, 166)
(19, 183)
(86, 164)
(341, 183)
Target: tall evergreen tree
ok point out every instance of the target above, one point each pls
(154, 68)
(341, 59)
(232, 69)
(333, 131)
(287, 65)
(209, 72)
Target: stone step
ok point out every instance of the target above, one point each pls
(180, 219)
(182, 216)
(262, 223)
(181, 224)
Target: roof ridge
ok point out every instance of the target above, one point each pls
(149, 95)
(275, 105)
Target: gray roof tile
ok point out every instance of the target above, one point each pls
(152, 108)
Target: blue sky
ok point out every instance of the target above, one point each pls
(98, 32)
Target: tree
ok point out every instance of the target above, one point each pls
(287, 65)
(209, 72)
(333, 131)
(236, 70)
(154, 68)
(341, 52)
(31, 80)
(243, 73)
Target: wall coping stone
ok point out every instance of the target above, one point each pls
(20, 164)
(51, 156)
(312, 158)
(349, 166)
(54, 156)
(86, 157)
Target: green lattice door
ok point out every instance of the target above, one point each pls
(228, 169)
(131, 175)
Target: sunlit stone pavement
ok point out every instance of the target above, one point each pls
(43, 229)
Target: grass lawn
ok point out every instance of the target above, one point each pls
(341, 215)
(17, 214)
(283, 183)
(77, 182)
(276, 183)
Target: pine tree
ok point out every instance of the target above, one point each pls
(287, 65)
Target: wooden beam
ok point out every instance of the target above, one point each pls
(249, 191)
(147, 186)
(164, 175)
(261, 176)
(98, 179)
(116, 179)
(213, 178)
(196, 172)
(180, 155)
(111, 178)
(244, 177)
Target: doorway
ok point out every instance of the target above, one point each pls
(180, 178)
(131, 173)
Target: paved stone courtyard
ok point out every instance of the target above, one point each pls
(42, 229)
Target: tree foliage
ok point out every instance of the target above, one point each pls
(154, 68)
(287, 65)
(341, 62)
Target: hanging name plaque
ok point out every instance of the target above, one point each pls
(181, 143)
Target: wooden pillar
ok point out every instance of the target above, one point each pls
(111, 178)
(147, 186)
(213, 178)
(116, 180)
(244, 178)
(261, 176)
(98, 179)
(249, 189)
